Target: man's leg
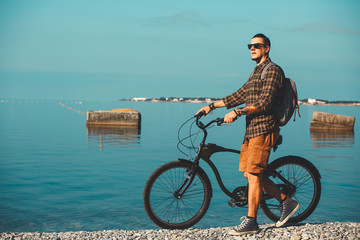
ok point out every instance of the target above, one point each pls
(254, 193)
(253, 160)
(249, 225)
(270, 188)
(289, 206)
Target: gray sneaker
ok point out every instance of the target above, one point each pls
(288, 208)
(248, 226)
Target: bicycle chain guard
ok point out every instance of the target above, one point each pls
(241, 199)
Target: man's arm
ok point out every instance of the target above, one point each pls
(212, 106)
(230, 117)
(235, 99)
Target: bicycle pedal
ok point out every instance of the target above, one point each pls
(231, 203)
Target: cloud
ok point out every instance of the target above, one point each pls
(186, 19)
(326, 27)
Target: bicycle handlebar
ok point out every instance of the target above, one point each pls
(203, 127)
(218, 121)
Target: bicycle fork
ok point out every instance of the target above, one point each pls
(189, 177)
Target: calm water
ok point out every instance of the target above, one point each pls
(58, 175)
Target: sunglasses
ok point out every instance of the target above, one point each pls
(256, 45)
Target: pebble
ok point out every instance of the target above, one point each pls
(330, 230)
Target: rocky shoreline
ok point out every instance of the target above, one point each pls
(329, 230)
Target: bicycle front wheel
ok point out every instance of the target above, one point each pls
(305, 177)
(161, 202)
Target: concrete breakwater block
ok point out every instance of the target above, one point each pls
(118, 117)
(322, 120)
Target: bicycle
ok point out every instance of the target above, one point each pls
(178, 193)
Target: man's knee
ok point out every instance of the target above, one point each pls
(253, 177)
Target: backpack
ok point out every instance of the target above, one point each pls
(289, 101)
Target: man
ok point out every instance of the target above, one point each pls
(261, 134)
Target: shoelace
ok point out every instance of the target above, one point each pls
(243, 223)
(283, 209)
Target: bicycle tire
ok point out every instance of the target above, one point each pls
(304, 175)
(160, 203)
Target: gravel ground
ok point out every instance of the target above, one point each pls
(330, 230)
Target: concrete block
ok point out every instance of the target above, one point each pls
(322, 120)
(119, 117)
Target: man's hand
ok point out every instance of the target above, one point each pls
(206, 109)
(230, 117)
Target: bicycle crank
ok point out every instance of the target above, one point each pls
(239, 197)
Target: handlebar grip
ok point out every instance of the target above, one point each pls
(200, 114)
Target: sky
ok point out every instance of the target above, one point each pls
(114, 49)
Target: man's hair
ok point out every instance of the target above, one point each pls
(265, 38)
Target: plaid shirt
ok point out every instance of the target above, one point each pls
(260, 94)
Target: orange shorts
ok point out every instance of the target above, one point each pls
(255, 152)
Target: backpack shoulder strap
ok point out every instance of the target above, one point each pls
(265, 69)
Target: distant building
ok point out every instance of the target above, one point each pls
(138, 99)
(315, 102)
(312, 101)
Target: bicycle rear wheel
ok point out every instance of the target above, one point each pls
(162, 205)
(306, 178)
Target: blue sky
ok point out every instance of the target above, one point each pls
(111, 49)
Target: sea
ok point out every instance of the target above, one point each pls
(57, 174)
